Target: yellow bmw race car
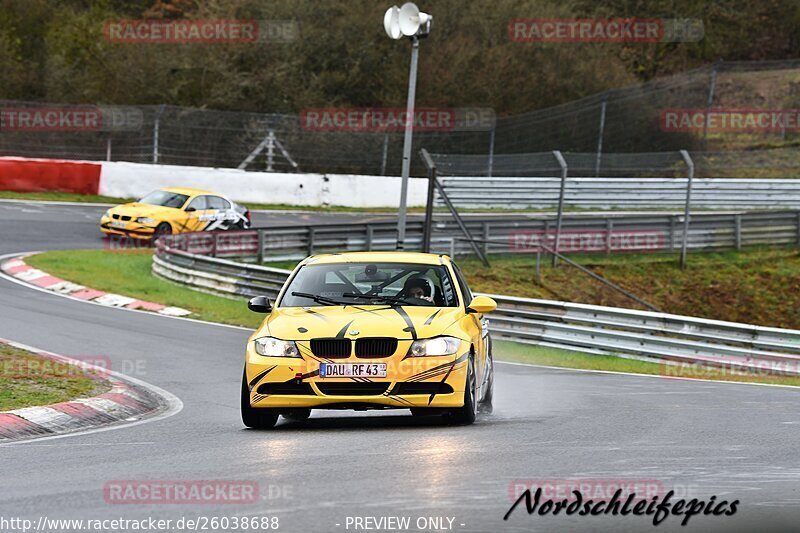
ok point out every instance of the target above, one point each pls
(174, 210)
(370, 330)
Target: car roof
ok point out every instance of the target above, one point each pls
(188, 191)
(379, 257)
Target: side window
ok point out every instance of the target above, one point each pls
(198, 203)
(462, 283)
(215, 202)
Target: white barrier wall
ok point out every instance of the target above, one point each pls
(133, 180)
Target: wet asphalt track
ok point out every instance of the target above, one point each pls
(733, 441)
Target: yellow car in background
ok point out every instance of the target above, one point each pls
(370, 330)
(174, 210)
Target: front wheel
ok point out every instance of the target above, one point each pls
(253, 417)
(467, 414)
(162, 230)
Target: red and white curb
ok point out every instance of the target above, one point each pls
(17, 268)
(129, 401)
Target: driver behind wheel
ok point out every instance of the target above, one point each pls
(418, 288)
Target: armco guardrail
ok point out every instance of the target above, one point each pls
(605, 233)
(582, 327)
(621, 193)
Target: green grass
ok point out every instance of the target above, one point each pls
(541, 355)
(27, 379)
(127, 272)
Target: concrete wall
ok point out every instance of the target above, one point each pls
(137, 179)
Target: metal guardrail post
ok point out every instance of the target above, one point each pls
(798, 228)
(609, 229)
(214, 237)
(427, 231)
(460, 222)
(600, 138)
(737, 225)
(712, 85)
(491, 151)
(486, 238)
(385, 153)
(156, 131)
(370, 234)
(563, 164)
(260, 251)
(539, 266)
(690, 177)
(310, 237)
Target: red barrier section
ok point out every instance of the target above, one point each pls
(37, 175)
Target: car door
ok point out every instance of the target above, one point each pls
(481, 328)
(221, 215)
(197, 214)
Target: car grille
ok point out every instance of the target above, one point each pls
(376, 347)
(115, 216)
(125, 217)
(352, 388)
(331, 348)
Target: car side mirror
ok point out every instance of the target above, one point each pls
(190, 209)
(481, 304)
(259, 304)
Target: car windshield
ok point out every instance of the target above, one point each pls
(377, 283)
(165, 199)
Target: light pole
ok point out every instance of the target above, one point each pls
(407, 21)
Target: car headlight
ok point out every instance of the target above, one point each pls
(434, 346)
(146, 221)
(271, 347)
(107, 213)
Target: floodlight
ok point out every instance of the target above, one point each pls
(411, 19)
(391, 22)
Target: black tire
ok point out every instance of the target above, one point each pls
(252, 417)
(467, 414)
(297, 415)
(486, 406)
(161, 230)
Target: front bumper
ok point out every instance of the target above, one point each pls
(131, 229)
(280, 382)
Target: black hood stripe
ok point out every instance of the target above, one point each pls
(410, 329)
(430, 318)
(342, 331)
